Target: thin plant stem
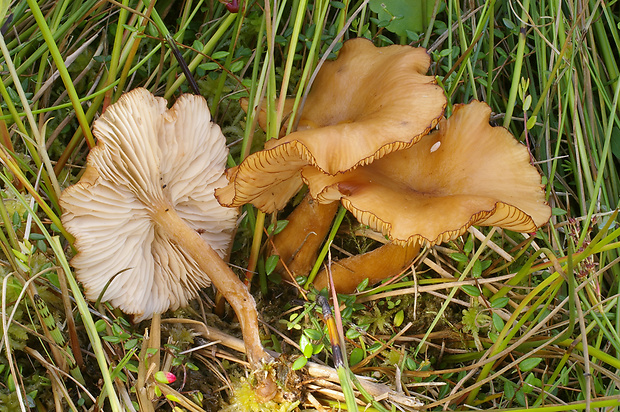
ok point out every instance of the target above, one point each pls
(207, 49)
(323, 253)
(516, 74)
(62, 69)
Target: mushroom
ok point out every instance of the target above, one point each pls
(466, 173)
(367, 103)
(146, 222)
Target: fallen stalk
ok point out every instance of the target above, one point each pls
(315, 370)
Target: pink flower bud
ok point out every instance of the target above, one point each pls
(165, 377)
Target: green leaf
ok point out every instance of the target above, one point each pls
(469, 245)
(191, 366)
(476, 270)
(279, 226)
(615, 142)
(527, 103)
(100, 325)
(403, 15)
(42, 246)
(131, 367)
(459, 257)
(363, 285)
(357, 355)
(130, 344)
(306, 346)
(500, 303)
(219, 55)
(318, 348)
(531, 122)
(375, 347)
(353, 333)
(172, 398)
(271, 263)
(533, 382)
(398, 318)
(509, 24)
(209, 66)
(509, 390)
(117, 330)
(313, 334)
(556, 211)
(529, 364)
(498, 322)
(471, 290)
(236, 66)
(299, 363)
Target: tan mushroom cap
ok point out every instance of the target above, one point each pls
(148, 157)
(367, 103)
(466, 173)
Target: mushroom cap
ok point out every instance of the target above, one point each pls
(147, 157)
(367, 103)
(466, 173)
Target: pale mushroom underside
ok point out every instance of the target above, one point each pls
(466, 173)
(147, 157)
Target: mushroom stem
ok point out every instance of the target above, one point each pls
(298, 244)
(224, 279)
(384, 262)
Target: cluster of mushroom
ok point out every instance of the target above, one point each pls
(365, 140)
(150, 232)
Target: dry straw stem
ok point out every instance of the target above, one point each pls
(377, 390)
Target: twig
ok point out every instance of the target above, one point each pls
(314, 369)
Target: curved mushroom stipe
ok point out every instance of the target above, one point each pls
(144, 214)
(367, 103)
(298, 244)
(429, 193)
(382, 263)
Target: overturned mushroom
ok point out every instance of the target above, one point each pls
(144, 216)
(466, 173)
(367, 103)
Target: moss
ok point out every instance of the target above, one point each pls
(244, 399)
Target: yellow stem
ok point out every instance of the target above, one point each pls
(224, 279)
